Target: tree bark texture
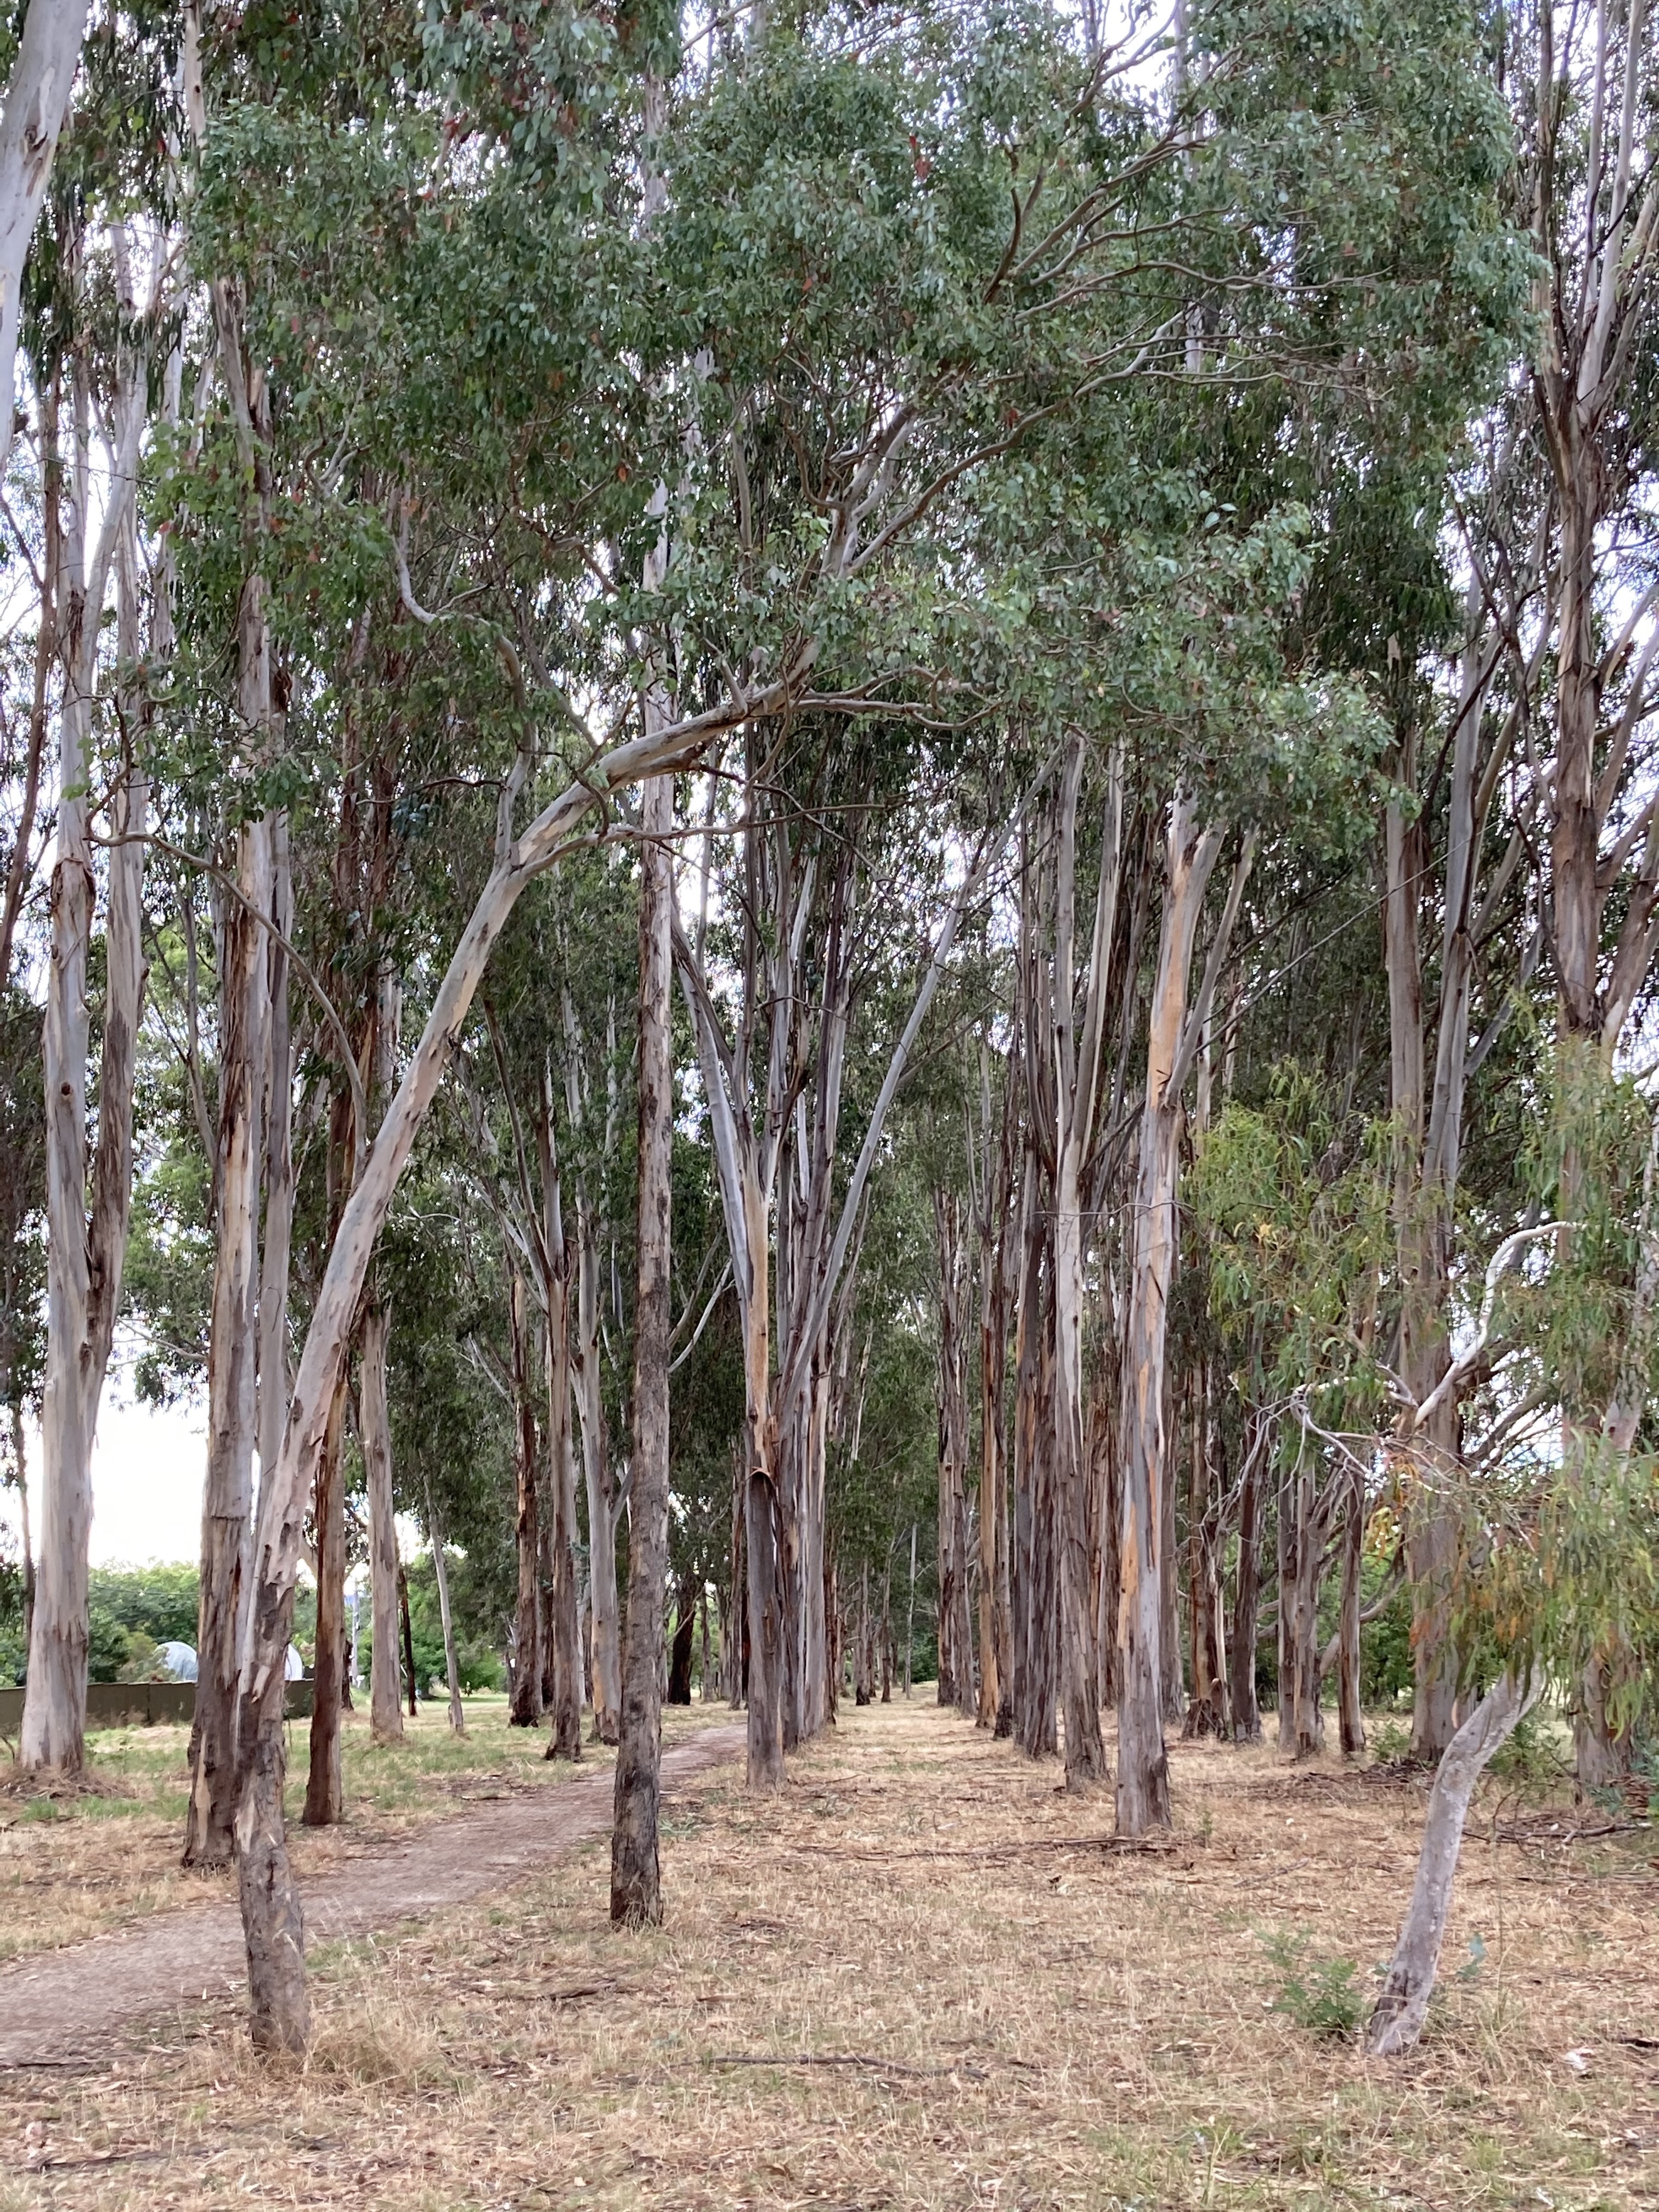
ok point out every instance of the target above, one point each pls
(635, 1876)
(325, 1805)
(38, 92)
(1397, 2021)
(525, 1708)
(385, 1713)
(563, 1623)
(451, 1669)
(1246, 1591)
(85, 1249)
(1143, 1776)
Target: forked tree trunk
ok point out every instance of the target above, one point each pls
(1397, 2021)
(1076, 1050)
(233, 1343)
(325, 1805)
(271, 1920)
(245, 1333)
(635, 1875)
(1143, 1774)
(1425, 1352)
(84, 1255)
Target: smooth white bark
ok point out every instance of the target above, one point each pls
(37, 100)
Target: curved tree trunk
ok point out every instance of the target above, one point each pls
(271, 1921)
(1400, 2010)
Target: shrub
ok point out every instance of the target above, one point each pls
(1322, 1996)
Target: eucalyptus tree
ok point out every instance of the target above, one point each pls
(840, 343)
(1587, 194)
(98, 302)
(41, 72)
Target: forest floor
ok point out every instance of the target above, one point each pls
(923, 1977)
(73, 1866)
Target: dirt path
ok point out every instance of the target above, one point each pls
(64, 2009)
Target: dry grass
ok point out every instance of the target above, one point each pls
(77, 1862)
(916, 1980)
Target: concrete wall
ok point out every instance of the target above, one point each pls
(143, 1704)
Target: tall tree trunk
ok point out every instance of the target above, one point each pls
(605, 1503)
(1143, 1774)
(636, 1878)
(233, 1344)
(956, 1685)
(910, 1616)
(682, 1647)
(763, 1535)
(385, 1707)
(563, 1624)
(273, 1379)
(84, 1255)
(1299, 1602)
(409, 1641)
(1077, 1041)
(993, 1684)
(1109, 1486)
(1207, 1713)
(325, 1805)
(385, 1698)
(526, 1706)
(1353, 1553)
(253, 1056)
(451, 1669)
(1246, 1593)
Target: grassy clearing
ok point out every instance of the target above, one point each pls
(72, 1866)
(921, 1979)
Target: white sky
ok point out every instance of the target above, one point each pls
(147, 1470)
